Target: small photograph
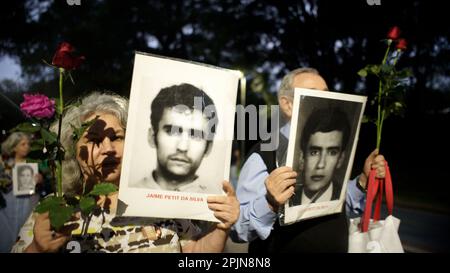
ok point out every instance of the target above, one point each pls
(178, 139)
(23, 178)
(323, 139)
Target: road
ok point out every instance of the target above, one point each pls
(423, 231)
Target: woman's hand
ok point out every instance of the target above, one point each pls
(225, 208)
(45, 239)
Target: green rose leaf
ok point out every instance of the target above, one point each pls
(103, 189)
(362, 72)
(26, 127)
(76, 103)
(87, 204)
(78, 132)
(49, 203)
(71, 200)
(48, 136)
(374, 69)
(398, 105)
(32, 160)
(37, 145)
(59, 212)
(60, 215)
(405, 73)
(365, 119)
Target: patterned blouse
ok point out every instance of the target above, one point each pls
(107, 233)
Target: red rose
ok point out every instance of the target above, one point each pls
(38, 106)
(402, 44)
(64, 57)
(394, 33)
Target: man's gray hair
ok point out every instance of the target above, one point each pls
(11, 142)
(75, 115)
(286, 88)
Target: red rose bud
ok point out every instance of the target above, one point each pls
(64, 57)
(65, 47)
(393, 33)
(402, 44)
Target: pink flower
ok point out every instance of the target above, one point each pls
(38, 106)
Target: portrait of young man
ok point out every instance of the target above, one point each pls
(180, 123)
(26, 177)
(321, 151)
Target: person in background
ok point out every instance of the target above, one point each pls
(265, 184)
(16, 208)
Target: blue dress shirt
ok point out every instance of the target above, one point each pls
(256, 218)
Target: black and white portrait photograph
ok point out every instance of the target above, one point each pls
(178, 139)
(23, 178)
(325, 128)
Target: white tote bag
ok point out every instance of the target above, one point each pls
(382, 237)
(368, 235)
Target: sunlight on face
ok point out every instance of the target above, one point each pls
(100, 149)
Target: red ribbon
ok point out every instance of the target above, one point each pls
(376, 187)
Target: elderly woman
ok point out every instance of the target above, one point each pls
(16, 208)
(107, 233)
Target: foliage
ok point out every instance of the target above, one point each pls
(391, 89)
(46, 145)
(267, 37)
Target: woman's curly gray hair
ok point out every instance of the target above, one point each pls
(11, 142)
(74, 116)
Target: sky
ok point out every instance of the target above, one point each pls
(9, 69)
